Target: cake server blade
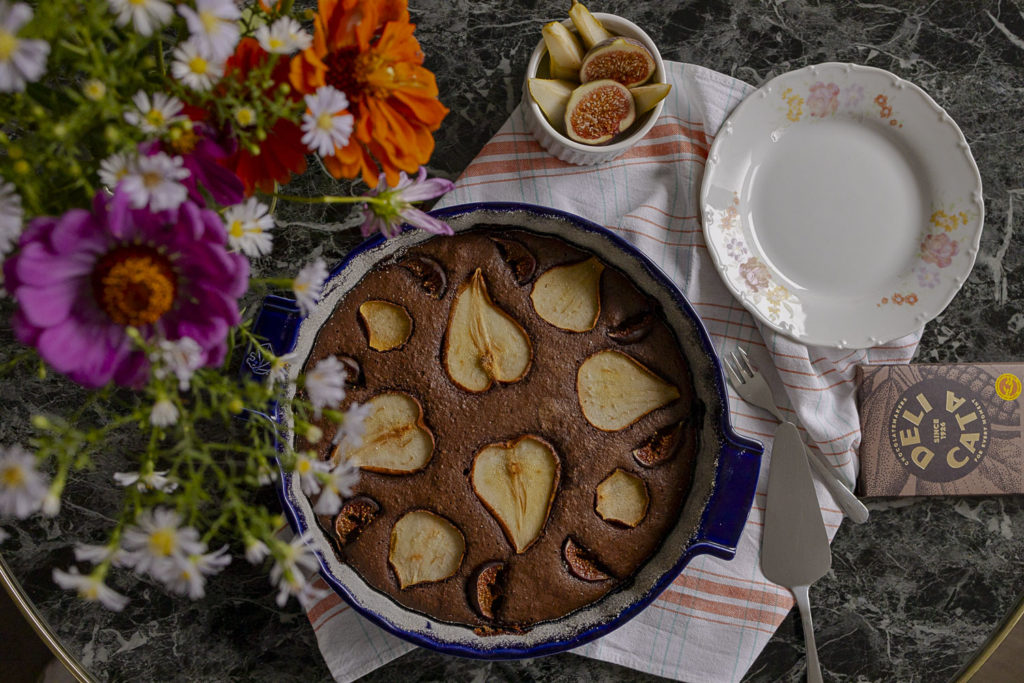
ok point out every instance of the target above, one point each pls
(794, 546)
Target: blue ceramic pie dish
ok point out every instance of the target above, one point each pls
(725, 470)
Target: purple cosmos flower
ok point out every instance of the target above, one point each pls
(201, 153)
(84, 277)
(388, 217)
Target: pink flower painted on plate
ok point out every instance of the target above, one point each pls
(823, 99)
(754, 273)
(939, 249)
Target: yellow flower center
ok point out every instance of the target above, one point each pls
(245, 116)
(155, 118)
(275, 43)
(90, 592)
(198, 65)
(304, 466)
(184, 139)
(8, 44)
(12, 477)
(325, 122)
(161, 542)
(94, 90)
(236, 228)
(134, 285)
(209, 20)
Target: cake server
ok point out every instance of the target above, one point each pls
(794, 545)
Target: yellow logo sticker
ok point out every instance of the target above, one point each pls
(1008, 386)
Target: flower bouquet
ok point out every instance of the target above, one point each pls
(143, 148)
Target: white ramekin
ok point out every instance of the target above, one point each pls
(573, 152)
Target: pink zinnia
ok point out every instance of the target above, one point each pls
(81, 279)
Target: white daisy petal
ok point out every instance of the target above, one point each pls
(22, 60)
(11, 217)
(308, 284)
(193, 69)
(145, 16)
(283, 37)
(325, 126)
(90, 587)
(213, 25)
(22, 487)
(325, 384)
(249, 225)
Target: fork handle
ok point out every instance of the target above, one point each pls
(853, 508)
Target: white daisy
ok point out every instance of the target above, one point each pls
(154, 481)
(181, 357)
(278, 371)
(193, 69)
(307, 285)
(98, 554)
(188, 576)
(325, 127)
(114, 168)
(291, 563)
(158, 537)
(153, 181)
(308, 469)
(22, 486)
(283, 37)
(353, 425)
(164, 413)
(338, 486)
(146, 16)
(10, 217)
(51, 503)
(248, 227)
(256, 551)
(94, 89)
(90, 587)
(214, 26)
(153, 116)
(21, 60)
(325, 384)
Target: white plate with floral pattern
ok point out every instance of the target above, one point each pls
(842, 205)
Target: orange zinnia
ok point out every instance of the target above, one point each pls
(366, 49)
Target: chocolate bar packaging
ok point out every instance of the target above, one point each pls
(941, 430)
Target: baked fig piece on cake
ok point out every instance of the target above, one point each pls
(354, 516)
(569, 296)
(396, 440)
(633, 329)
(516, 481)
(486, 588)
(615, 390)
(428, 272)
(388, 326)
(425, 548)
(353, 371)
(483, 343)
(515, 254)
(661, 446)
(581, 562)
(622, 499)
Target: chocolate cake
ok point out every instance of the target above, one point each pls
(533, 431)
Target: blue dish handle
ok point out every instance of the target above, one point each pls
(278, 323)
(726, 512)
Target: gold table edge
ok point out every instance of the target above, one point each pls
(40, 626)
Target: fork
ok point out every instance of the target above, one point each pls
(751, 385)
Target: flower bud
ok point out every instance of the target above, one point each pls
(314, 434)
(21, 167)
(285, 88)
(60, 130)
(41, 422)
(235, 406)
(261, 135)
(112, 134)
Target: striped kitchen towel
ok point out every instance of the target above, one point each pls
(714, 620)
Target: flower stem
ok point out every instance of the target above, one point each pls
(330, 199)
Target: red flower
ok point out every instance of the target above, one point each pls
(282, 153)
